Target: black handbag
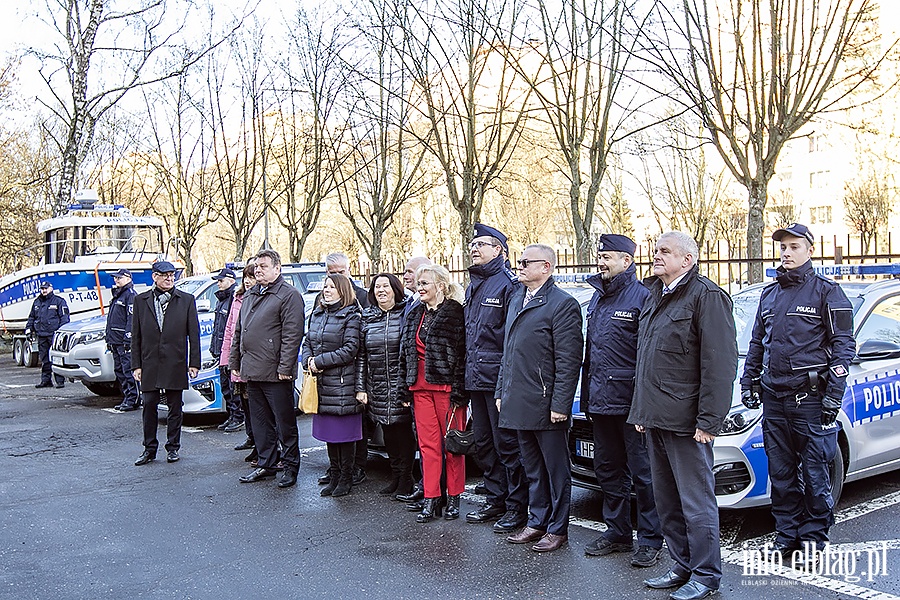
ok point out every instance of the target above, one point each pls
(457, 441)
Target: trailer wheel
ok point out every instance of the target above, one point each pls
(19, 351)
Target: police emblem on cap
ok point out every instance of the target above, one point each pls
(599, 246)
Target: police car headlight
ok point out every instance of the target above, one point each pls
(87, 338)
(740, 419)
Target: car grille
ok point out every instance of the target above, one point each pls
(61, 341)
(731, 478)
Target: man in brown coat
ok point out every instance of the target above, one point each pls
(165, 349)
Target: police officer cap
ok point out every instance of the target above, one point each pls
(796, 230)
(481, 229)
(163, 266)
(613, 242)
(226, 272)
(122, 273)
(45, 285)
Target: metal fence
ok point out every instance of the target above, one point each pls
(727, 265)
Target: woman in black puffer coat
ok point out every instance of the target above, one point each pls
(378, 378)
(329, 352)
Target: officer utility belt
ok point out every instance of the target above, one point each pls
(814, 388)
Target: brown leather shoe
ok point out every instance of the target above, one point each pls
(550, 542)
(527, 535)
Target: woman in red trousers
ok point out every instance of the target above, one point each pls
(432, 363)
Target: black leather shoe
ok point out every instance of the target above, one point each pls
(359, 475)
(452, 511)
(172, 456)
(692, 590)
(288, 478)
(664, 582)
(252, 457)
(486, 513)
(415, 506)
(431, 509)
(786, 550)
(245, 445)
(417, 495)
(222, 426)
(257, 475)
(511, 521)
(44, 384)
(480, 489)
(125, 407)
(145, 458)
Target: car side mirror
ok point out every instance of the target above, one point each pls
(877, 350)
(203, 305)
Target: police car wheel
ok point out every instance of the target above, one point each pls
(837, 472)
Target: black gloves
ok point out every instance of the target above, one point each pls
(830, 409)
(750, 399)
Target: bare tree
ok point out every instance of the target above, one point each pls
(130, 41)
(755, 71)
(309, 150)
(239, 159)
(615, 213)
(385, 170)
(868, 202)
(577, 68)
(180, 162)
(473, 105)
(783, 209)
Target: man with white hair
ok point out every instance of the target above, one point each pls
(686, 364)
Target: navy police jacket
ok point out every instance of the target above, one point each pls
(607, 379)
(48, 313)
(118, 322)
(804, 323)
(487, 299)
(223, 307)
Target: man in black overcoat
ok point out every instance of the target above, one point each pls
(165, 349)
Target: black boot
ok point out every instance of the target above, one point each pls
(345, 479)
(431, 510)
(334, 470)
(452, 508)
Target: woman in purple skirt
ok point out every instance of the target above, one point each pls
(329, 353)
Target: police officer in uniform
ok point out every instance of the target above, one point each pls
(48, 313)
(796, 367)
(226, 280)
(118, 337)
(620, 452)
(491, 286)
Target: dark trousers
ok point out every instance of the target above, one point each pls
(684, 488)
(122, 367)
(545, 458)
(230, 400)
(150, 417)
(272, 406)
(361, 447)
(498, 455)
(47, 374)
(799, 452)
(620, 461)
(248, 420)
(400, 443)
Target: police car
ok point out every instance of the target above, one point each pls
(869, 435)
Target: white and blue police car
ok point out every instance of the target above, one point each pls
(869, 436)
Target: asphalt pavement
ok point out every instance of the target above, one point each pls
(80, 521)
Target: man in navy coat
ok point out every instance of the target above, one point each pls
(535, 391)
(165, 342)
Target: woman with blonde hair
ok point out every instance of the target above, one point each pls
(432, 364)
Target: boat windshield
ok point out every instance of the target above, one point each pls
(65, 243)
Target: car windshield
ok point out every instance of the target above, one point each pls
(190, 286)
(747, 301)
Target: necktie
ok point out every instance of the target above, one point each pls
(528, 297)
(666, 290)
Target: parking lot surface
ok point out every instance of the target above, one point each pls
(80, 521)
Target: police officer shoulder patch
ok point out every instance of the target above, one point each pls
(839, 370)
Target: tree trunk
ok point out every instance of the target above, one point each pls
(756, 225)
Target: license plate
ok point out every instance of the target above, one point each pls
(584, 448)
(56, 360)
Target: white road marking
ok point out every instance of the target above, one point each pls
(307, 451)
(865, 508)
(13, 386)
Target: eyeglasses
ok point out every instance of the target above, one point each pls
(424, 283)
(479, 244)
(165, 275)
(524, 262)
